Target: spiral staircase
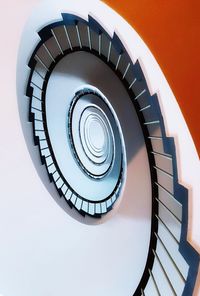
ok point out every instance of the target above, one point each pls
(91, 111)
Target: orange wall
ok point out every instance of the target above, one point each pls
(171, 29)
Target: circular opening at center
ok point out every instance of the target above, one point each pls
(96, 134)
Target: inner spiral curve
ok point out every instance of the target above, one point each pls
(92, 134)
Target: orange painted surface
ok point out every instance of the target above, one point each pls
(171, 29)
